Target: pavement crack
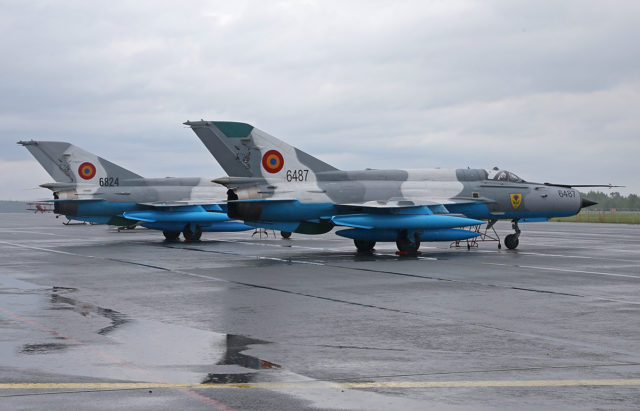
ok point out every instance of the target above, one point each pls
(264, 287)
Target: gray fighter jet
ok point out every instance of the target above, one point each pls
(274, 185)
(90, 188)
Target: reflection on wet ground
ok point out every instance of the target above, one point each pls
(42, 348)
(151, 342)
(60, 302)
(233, 356)
(234, 344)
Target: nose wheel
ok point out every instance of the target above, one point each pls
(512, 240)
(285, 234)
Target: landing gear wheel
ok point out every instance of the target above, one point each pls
(171, 235)
(364, 246)
(405, 245)
(285, 234)
(192, 235)
(511, 241)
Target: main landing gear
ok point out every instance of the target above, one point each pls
(407, 245)
(364, 246)
(171, 235)
(192, 234)
(512, 240)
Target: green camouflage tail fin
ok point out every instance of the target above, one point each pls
(245, 151)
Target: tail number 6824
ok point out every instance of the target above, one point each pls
(109, 182)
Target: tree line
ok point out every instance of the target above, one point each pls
(613, 200)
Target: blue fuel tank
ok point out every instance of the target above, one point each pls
(153, 216)
(449, 234)
(403, 221)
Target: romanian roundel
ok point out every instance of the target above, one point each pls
(87, 170)
(272, 161)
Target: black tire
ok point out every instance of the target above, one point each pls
(405, 245)
(171, 235)
(192, 235)
(364, 246)
(511, 241)
(285, 234)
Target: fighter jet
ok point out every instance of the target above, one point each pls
(274, 185)
(90, 188)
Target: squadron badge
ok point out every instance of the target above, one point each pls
(516, 200)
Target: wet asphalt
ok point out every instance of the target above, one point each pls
(259, 322)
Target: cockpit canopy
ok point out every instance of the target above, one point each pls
(504, 175)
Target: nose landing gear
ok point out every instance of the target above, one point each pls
(512, 240)
(285, 234)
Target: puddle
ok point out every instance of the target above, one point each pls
(62, 336)
(61, 302)
(235, 344)
(58, 301)
(122, 349)
(12, 286)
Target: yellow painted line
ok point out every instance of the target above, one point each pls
(486, 384)
(321, 385)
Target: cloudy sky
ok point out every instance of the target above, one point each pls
(550, 90)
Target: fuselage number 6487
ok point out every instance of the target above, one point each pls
(297, 175)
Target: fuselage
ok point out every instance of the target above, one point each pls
(107, 201)
(475, 193)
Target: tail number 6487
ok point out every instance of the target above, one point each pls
(297, 175)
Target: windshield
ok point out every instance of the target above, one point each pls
(504, 175)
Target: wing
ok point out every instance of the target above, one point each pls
(437, 206)
(369, 220)
(209, 204)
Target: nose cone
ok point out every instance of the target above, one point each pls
(585, 202)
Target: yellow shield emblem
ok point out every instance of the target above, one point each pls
(516, 200)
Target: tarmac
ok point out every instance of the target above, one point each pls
(96, 319)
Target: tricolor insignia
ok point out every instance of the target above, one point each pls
(87, 170)
(272, 161)
(516, 200)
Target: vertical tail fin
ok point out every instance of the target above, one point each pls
(245, 151)
(67, 163)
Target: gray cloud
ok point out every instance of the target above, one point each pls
(547, 89)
